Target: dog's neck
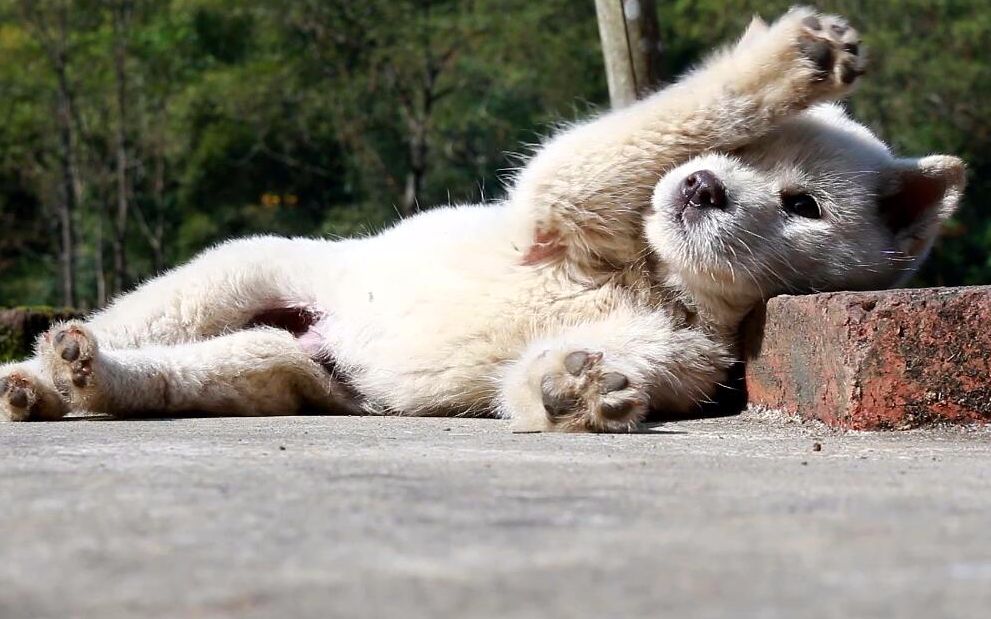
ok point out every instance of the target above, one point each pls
(711, 306)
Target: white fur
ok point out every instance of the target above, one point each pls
(578, 304)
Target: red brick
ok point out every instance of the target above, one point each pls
(876, 360)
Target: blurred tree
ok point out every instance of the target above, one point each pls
(143, 130)
(121, 16)
(52, 25)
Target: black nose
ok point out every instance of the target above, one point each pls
(702, 189)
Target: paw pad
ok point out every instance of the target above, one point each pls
(585, 395)
(832, 46)
(76, 348)
(819, 52)
(613, 381)
(70, 351)
(16, 390)
(19, 396)
(619, 411)
(558, 405)
(578, 362)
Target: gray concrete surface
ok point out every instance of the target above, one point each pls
(365, 517)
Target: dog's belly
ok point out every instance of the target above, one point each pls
(420, 319)
(423, 314)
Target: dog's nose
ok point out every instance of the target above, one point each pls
(702, 189)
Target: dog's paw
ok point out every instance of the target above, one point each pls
(582, 393)
(24, 397)
(833, 48)
(76, 348)
(828, 49)
(71, 355)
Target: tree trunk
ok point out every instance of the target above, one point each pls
(630, 47)
(620, 73)
(121, 15)
(158, 236)
(651, 48)
(154, 230)
(418, 149)
(52, 30)
(68, 195)
(98, 265)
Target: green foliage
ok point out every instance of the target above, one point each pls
(312, 117)
(11, 348)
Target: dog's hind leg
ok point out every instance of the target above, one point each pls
(260, 280)
(259, 371)
(254, 281)
(27, 394)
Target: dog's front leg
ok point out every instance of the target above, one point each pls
(584, 193)
(604, 376)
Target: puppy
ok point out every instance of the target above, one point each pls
(611, 281)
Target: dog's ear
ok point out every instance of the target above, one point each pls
(757, 28)
(918, 196)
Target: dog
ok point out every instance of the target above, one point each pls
(610, 282)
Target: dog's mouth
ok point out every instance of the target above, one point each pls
(687, 214)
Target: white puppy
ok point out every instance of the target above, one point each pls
(611, 281)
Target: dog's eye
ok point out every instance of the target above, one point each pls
(801, 204)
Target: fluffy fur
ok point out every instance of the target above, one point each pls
(607, 284)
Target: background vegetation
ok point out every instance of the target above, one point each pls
(135, 132)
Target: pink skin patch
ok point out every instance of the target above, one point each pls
(312, 343)
(303, 322)
(546, 246)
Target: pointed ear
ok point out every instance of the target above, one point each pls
(757, 28)
(917, 196)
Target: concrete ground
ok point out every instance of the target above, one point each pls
(348, 517)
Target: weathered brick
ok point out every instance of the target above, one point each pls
(876, 360)
(20, 326)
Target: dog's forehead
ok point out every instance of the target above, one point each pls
(821, 142)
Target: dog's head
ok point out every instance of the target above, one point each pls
(819, 204)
